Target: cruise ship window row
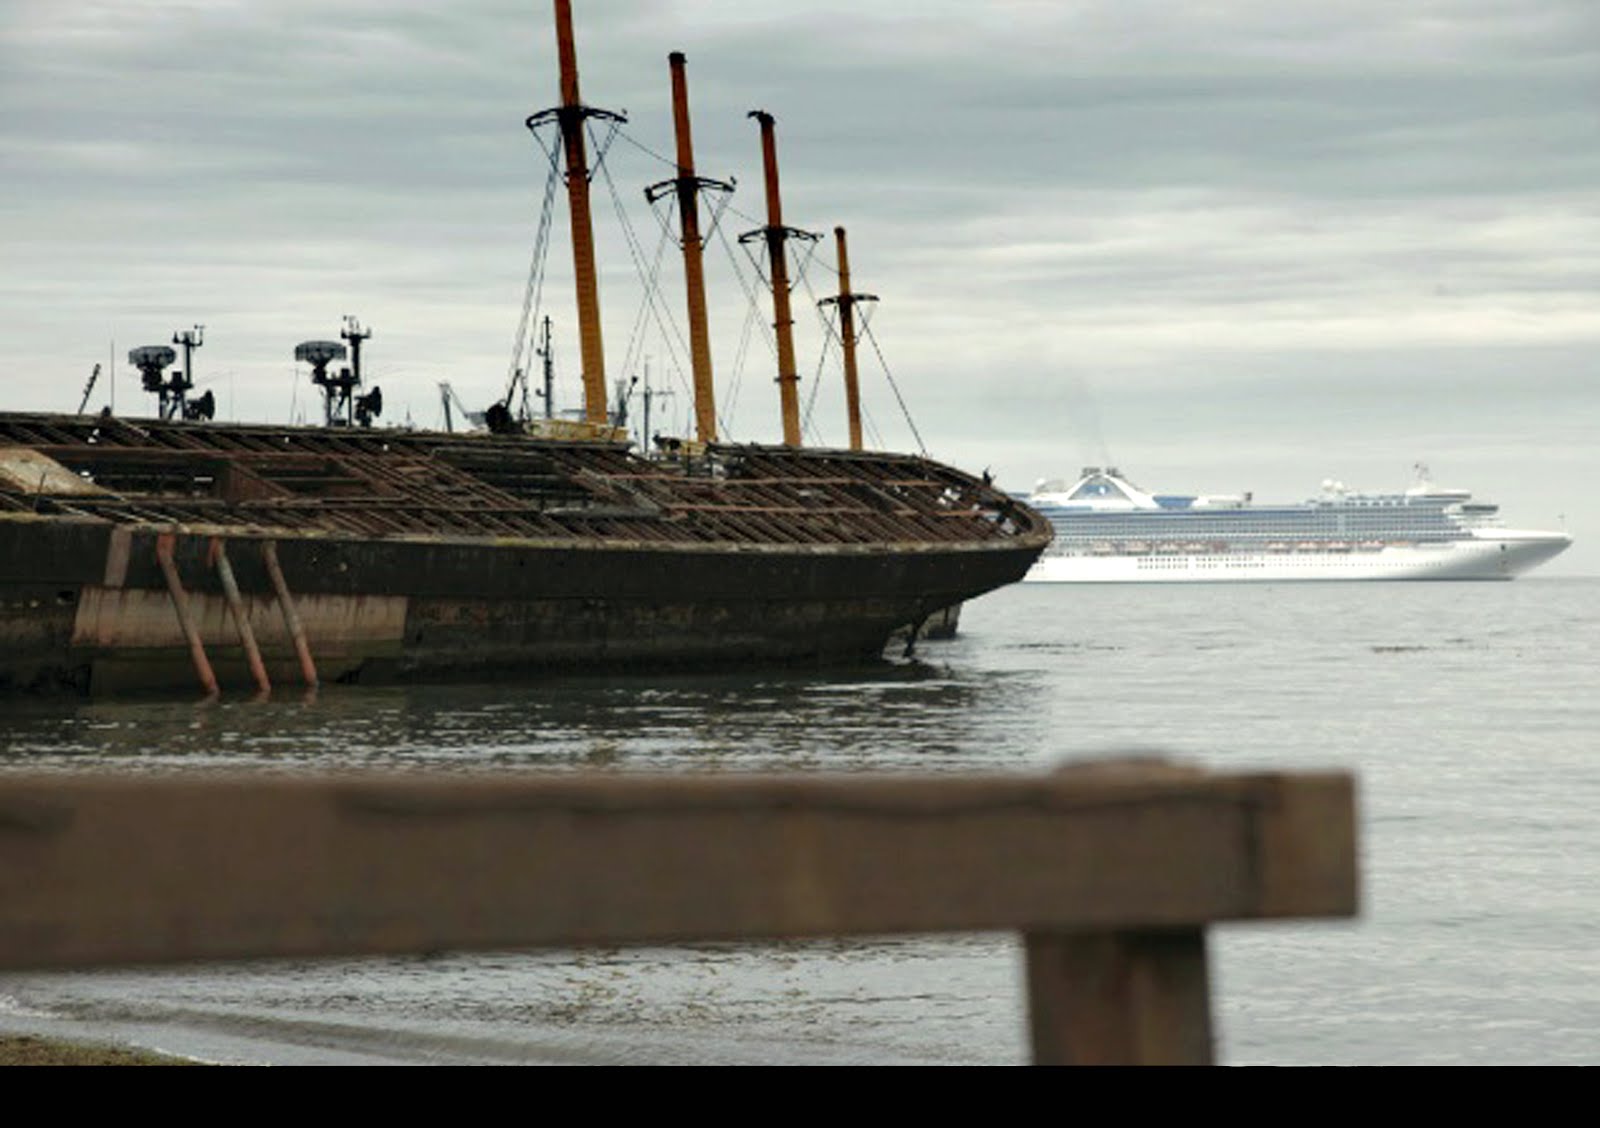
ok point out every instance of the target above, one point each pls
(1133, 527)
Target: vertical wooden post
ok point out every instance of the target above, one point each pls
(180, 604)
(1119, 998)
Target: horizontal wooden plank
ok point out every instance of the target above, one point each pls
(118, 870)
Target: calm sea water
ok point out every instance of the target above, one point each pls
(1469, 713)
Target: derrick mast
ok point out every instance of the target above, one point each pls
(847, 301)
(776, 235)
(571, 117)
(687, 187)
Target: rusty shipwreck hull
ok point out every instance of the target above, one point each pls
(88, 608)
(408, 557)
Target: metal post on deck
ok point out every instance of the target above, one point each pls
(241, 618)
(291, 618)
(180, 603)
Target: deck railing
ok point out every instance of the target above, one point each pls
(1111, 874)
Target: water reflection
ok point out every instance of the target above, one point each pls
(920, 714)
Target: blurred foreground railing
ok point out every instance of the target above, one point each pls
(1111, 873)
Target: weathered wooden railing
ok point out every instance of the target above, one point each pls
(1111, 873)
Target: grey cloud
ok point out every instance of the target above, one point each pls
(1252, 227)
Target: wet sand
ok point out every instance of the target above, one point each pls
(28, 1050)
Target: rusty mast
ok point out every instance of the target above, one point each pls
(776, 235)
(847, 301)
(571, 116)
(687, 186)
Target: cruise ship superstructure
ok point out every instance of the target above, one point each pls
(1110, 531)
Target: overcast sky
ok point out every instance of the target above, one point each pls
(1228, 246)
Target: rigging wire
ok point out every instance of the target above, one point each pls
(533, 296)
(865, 331)
(829, 334)
(752, 315)
(714, 226)
(668, 234)
(645, 149)
(747, 331)
(872, 337)
(601, 147)
(873, 436)
(652, 303)
(816, 379)
(800, 274)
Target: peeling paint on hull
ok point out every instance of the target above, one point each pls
(141, 554)
(394, 611)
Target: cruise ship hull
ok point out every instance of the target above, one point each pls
(1500, 557)
(1108, 530)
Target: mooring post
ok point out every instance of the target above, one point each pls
(291, 619)
(241, 618)
(180, 603)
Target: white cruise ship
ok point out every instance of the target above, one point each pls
(1110, 531)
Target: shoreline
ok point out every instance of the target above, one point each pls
(33, 1049)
